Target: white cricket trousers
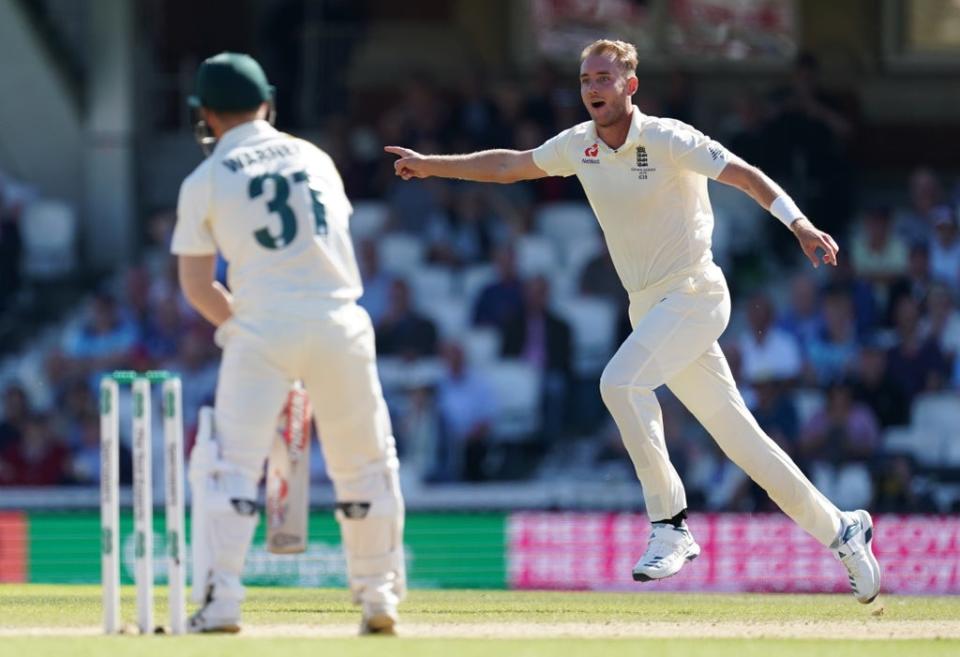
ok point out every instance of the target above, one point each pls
(330, 347)
(676, 324)
(334, 355)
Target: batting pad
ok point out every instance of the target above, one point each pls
(370, 513)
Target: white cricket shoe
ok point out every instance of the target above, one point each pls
(855, 552)
(218, 615)
(669, 548)
(379, 619)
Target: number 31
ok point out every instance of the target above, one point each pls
(288, 220)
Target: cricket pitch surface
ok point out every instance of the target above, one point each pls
(40, 619)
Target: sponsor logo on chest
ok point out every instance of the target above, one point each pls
(592, 154)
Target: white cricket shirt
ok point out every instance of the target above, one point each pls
(275, 208)
(649, 195)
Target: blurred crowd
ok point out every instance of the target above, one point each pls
(13, 198)
(492, 327)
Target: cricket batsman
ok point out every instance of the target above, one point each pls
(646, 180)
(275, 207)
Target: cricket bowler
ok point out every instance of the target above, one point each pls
(275, 207)
(646, 180)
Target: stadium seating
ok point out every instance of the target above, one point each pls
(450, 314)
(431, 283)
(593, 323)
(565, 222)
(934, 418)
(482, 346)
(536, 256)
(49, 239)
(517, 388)
(400, 254)
(368, 219)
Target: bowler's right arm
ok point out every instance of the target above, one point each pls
(496, 166)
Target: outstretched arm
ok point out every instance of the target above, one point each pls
(762, 189)
(499, 166)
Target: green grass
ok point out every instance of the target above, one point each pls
(23, 606)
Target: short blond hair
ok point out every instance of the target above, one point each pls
(623, 53)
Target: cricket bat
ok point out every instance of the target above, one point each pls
(288, 476)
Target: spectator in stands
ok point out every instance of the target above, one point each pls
(417, 428)
(16, 410)
(775, 412)
(40, 458)
(916, 222)
(543, 95)
(414, 206)
(943, 320)
(861, 295)
(136, 299)
(468, 233)
(466, 405)
(543, 339)
(84, 462)
(837, 444)
(376, 282)
(197, 364)
(845, 430)
(945, 248)
(809, 130)
(919, 364)
(748, 139)
(879, 254)
(76, 402)
(162, 333)
(501, 302)
(105, 340)
(766, 350)
(874, 386)
(802, 318)
(915, 284)
(896, 488)
(833, 353)
(474, 114)
(598, 278)
(403, 331)
(11, 250)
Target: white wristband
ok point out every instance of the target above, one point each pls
(784, 209)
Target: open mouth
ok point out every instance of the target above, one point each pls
(597, 104)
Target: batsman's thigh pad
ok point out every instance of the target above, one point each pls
(370, 513)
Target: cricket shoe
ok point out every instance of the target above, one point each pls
(855, 552)
(378, 619)
(669, 548)
(216, 616)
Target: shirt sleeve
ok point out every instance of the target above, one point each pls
(694, 151)
(192, 235)
(551, 156)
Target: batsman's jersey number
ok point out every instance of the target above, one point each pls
(279, 205)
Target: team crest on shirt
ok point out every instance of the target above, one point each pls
(592, 154)
(643, 167)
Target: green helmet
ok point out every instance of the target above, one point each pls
(228, 82)
(231, 82)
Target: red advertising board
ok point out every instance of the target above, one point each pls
(13, 546)
(741, 552)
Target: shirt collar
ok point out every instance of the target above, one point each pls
(237, 134)
(633, 134)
